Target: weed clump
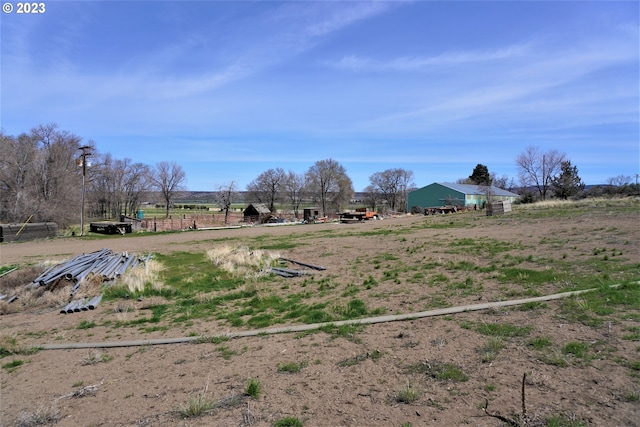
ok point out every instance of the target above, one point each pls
(242, 261)
(288, 422)
(253, 388)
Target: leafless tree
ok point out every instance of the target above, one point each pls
(329, 183)
(620, 180)
(101, 185)
(225, 196)
(168, 178)
(16, 195)
(537, 168)
(117, 186)
(373, 198)
(56, 175)
(267, 187)
(294, 189)
(136, 184)
(39, 177)
(499, 182)
(392, 185)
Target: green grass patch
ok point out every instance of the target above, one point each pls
(13, 365)
(10, 346)
(577, 349)
(85, 324)
(288, 422)
(634, 334)
(352, 310)
(441, 371)
(593, 308)
(528, 277)
(491, 349)
(563, 421)
(540, 343)
(253, 388)
(291, 367)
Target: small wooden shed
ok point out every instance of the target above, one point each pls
(256, 212)
(311, 214)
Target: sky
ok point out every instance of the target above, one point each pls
(230, 89)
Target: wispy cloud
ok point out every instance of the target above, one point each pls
(524, 79)
(279, 34)
(416, 63)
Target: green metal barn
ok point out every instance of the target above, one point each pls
(451, 194)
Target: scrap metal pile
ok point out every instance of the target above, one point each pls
(287, 272)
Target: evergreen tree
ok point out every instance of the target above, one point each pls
(567, 183)
(480, 175)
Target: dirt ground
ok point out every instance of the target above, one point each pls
(345, 380)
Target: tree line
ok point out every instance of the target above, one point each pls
(41, 180)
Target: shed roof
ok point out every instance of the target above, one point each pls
(261, 208)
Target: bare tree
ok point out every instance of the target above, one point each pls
(168, 178)
(136, 184)
(267, 187)
(373, 198)
(499, 182)
(56, 176)
(16, 195)
(619, 181)
(294, 189)
(117, 186)
(392, 185)
(329, 183)
(39, 177)
(225, 196)
(538, 169)
(101, 185)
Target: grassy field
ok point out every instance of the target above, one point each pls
(401, 266)
(200, 289)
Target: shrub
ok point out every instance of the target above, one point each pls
(288, 422)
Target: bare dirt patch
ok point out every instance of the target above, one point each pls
(436, 371)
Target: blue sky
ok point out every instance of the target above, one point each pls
(229, 89)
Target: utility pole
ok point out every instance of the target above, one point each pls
(83, 160)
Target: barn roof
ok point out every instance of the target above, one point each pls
(477, 189)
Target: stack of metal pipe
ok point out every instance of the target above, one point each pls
(103, 262)
(82, 305)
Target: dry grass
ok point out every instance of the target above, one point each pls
(95, 356)
(19, 284)
(40, 416)
(243, 262)
(144, 275)
(589, 202)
